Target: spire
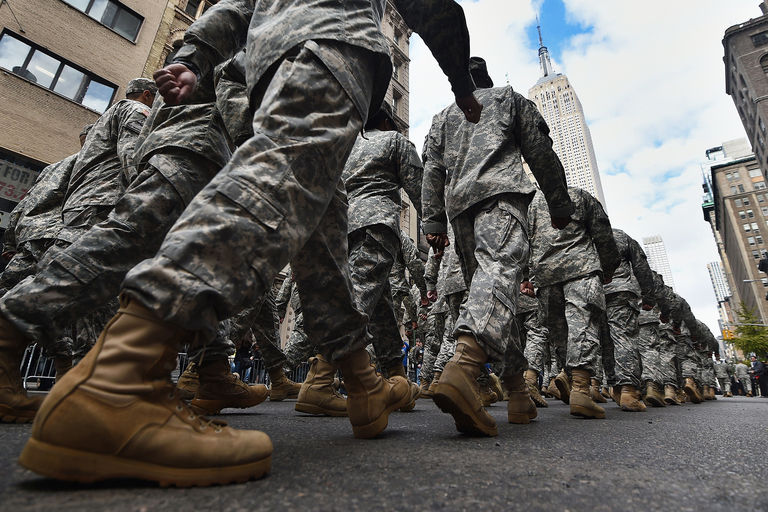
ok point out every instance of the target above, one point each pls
(546, 64)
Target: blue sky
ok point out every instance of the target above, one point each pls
(557, 28)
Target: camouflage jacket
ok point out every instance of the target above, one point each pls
(649, 317)
(232, 99)
(721, 370)
(38, 214)
(741, 371)
(272, 27)
(197, 127)
(466, 163)
(633, 273)
(583, 247)
(450, 277)
(408, 258)
(105, 163)
(378, 166)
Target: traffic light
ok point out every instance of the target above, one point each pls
(728, 334)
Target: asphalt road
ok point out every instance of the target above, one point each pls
(703, 457)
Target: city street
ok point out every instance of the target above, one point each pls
(695, 457)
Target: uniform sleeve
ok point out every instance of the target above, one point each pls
(410, 170)
(128, 131)
(642, 271)
(414, 264)
(599, 228)
(442, 26)
(216, 36)
(532, 134)
(431, 271)
(433, 190)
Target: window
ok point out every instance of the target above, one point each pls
(760, 198)
(397, 37)
(746, 201)
(764, 281)
(750, 214)
(112, 14)
(756, 255)
(751, 240)
(754, 225)
(764, 209)
(742, 215)
(737, 202)
(733, 190)
(755, 173)
(746, 228)
(741, 187)
(759, 185)
(760, 39)
(26, 60)
(196, 8)
(735, 175)
(759, 239)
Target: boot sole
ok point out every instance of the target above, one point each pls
(378, 425)
(211, 407)
(318, 411)
(583, 412)
(10, 415)
(280, 398)
(451, 401)
(520, 418)
(655, 402)
(692, 396)
(85, 467)
(671, 401)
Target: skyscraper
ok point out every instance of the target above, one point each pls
(657, 258)
(561, 109)
(719, 284)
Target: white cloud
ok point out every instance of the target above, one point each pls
(650, 77)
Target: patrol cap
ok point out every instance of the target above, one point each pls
(479, 71)
(140, 85)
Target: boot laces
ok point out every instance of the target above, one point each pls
(203, 422)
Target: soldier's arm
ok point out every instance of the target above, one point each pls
(414, 264)
(599, 228)
(431, 271)
(410, 170)
(442, 26)
(435, 221)
(642, 271)
(128, 129)
(284, 295)
(532, 134)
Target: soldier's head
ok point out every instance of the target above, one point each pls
(142, 90)
(479, 71)
(383, 120)
(84, 133)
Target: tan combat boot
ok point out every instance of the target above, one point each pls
(653, 396)
(532, 381)
(458, 392)
(692, 390)
(62, 365)
(616, 394)
(728, 394)
(117, 415)
(488, 396)
(317, 395)
(563, 384)
(594, 392)
(15, 405)
(281, 387)
(631, 401)
(605, 392)
(370, 397)
(399, 371)
(552, 390)
(221, 389)
(670, 395)
(188, 382)
(682, 396)
(709, 393)
(435, 380)
(521, 409)
(497, 387)
(424, 392)
(581, 401)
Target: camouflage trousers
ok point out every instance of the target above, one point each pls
(650, 355)
(725, 384)
(535, 339)
(298, 348)
(492, 246)
(707, 370)
(372, 252)
(262, 320)
(448, 346)
(623, 311)
(435, 335)
(279, 199)
(572, 312)
(669, 364)
(689, 360)
(746, 383)
(401, 302)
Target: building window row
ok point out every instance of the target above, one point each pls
(755, 173)
(27, 60)
(111, 14)
(732, 175)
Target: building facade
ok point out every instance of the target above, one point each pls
(736, 207)
(560, 106)
(62, 63)
(657, 258)
(746, 79)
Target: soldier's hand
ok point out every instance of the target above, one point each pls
(432, 295)
(425, 300)
(471, 107)
(438, 241)
(175, 82)
(560, 222)
(7, 255)
(526, 288)
(647, 307)
(664, 318)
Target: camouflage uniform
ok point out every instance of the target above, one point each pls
(631, 280)
(73, 282)
(474, 178)
(687, 355)
(741, 372)
(434, 276)
(280, 199)
(381, 162)
(669, 364)
(407, 257)
(567, 267)
(298, 348)
(648, 344)
(35, 222)
(721, 373)
(533, 335)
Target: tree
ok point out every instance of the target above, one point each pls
(750, 338)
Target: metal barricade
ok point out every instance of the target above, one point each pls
(37, 371)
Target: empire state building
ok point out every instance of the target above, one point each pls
(561, 109)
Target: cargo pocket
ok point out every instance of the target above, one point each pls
(254, 202)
